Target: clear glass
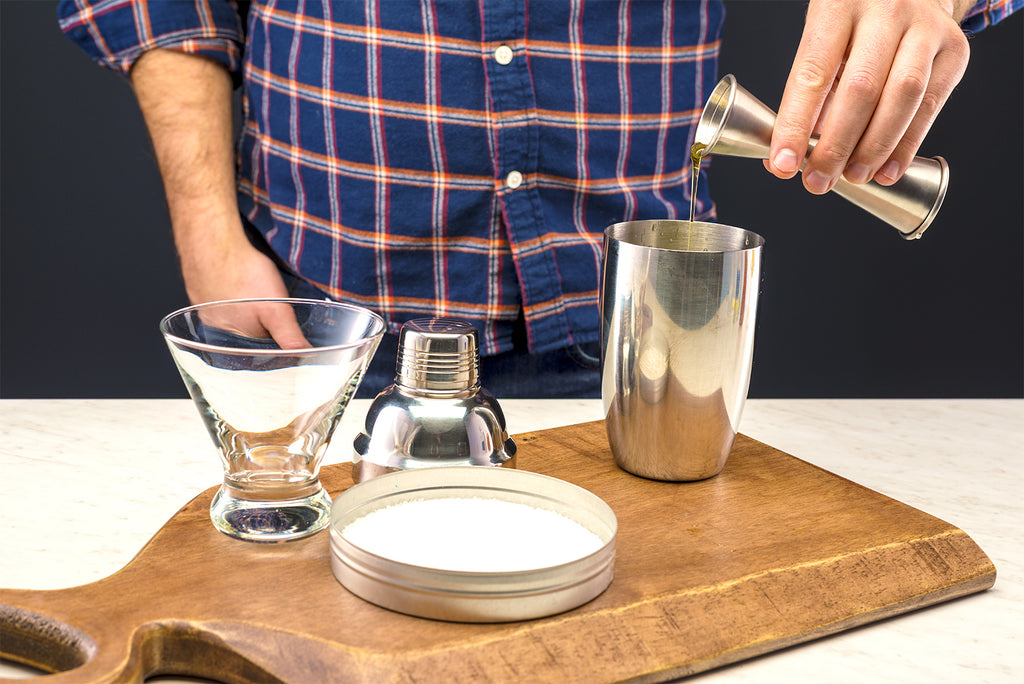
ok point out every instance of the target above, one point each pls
(271, 379)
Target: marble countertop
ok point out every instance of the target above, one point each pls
(85, 483)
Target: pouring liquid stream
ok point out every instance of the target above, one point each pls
(696, 155)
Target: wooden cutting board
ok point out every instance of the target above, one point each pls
(772, 552)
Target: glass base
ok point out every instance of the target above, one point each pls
(270, 521)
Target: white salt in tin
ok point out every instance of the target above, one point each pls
(465, 511)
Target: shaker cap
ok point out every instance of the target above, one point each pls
(438, 354)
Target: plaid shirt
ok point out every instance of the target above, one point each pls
(451, 158)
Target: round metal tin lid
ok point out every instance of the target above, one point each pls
(473, 596)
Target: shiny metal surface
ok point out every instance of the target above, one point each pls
(436, 413)
(405, 430)
(737, 124)
(678, 311)
(438, 354)
(473, 596)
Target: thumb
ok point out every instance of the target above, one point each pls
(279, 320)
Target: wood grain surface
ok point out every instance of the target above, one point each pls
(770, 553)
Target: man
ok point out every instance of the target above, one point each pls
(423, 158)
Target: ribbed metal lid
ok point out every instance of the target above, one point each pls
(438, 354)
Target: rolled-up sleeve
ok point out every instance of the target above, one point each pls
(115, 33)
(985, 13)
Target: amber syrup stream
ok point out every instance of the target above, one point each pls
(696, 155)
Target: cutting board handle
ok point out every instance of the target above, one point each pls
(141, 621)
(174, 647)
(32, 639)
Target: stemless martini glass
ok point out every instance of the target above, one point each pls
(271, 402)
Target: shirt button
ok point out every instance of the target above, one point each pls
(503, 55)
(514, 179)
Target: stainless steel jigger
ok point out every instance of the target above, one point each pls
(737, 124)
(436, 413)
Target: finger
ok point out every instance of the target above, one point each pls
(858, 93)
(818, 60)
(827, 105)
(235, 321)
(822, 115)
(901, 99)
(279, 320)
(947, 70)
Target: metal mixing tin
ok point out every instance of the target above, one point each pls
(464, 596)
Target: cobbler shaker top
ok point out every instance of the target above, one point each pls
(436, 413)
(438, 355)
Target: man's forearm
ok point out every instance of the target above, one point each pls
(186, 102)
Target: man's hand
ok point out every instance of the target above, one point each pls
(186, 102)
(234, 269)
(869, 76)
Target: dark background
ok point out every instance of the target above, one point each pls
(848, 308)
